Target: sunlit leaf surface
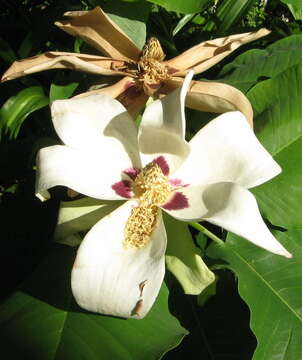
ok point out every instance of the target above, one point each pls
(278, 125)
(256, 64)
(186, 7)
(17, 108)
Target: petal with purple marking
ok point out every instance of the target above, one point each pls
(123, 189)
(177, 201)
(232, 207)
(163, 164)
(82, 171)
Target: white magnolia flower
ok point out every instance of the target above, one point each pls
(120, 264)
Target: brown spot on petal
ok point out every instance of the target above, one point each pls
(137, 308)
(141, 287)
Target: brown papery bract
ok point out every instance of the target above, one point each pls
(145, 72)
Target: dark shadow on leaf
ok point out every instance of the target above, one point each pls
(215, 333)
(51, 282)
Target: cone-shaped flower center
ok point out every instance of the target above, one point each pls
(151, 188)
(150, 68)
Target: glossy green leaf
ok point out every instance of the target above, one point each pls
(186, 7)
(207, 293)
(184, 259)
(41, 322)
(62, 91)
(278, 126)
(295, 7)
(131, 18)
(271, 285)
(17, 108)
(247, 68)
(182, 22)
(228, 13)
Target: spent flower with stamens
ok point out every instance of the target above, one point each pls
(144, 72)
(153, 170)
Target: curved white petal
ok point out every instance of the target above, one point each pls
(81, 171)
(109, 279)
(226, 149)
(162, 129)
(98, 123)
(232, 207)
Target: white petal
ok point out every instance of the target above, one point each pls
(226, 149)
(96, 122)
(162, 129)
(232, 207)
(81, 171)
(108, 279)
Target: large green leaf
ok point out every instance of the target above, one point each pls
(62, 91)
(186, 7)
(271, 286)
(131, 18)
(247, 68)
(295, 6)
(228, 13)
(278, 125)
(16, 109)
(42, 322)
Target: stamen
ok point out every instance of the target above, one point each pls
(151, 71)
(139, 226)
(151, 188)
(153, 50)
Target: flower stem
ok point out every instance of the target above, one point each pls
(206, 232)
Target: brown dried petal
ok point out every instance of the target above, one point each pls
(62, 60)
(114, 90)
(125, 91)
(98, 30)
(212, 97)
(134, 100)
(208, 53)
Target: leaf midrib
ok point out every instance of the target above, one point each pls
(266, 283)
(289, 143)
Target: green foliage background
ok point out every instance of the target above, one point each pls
(256, 310)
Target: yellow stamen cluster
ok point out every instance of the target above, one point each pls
(150, 68)
(153, 50)
(151, 71)
(151, 188)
